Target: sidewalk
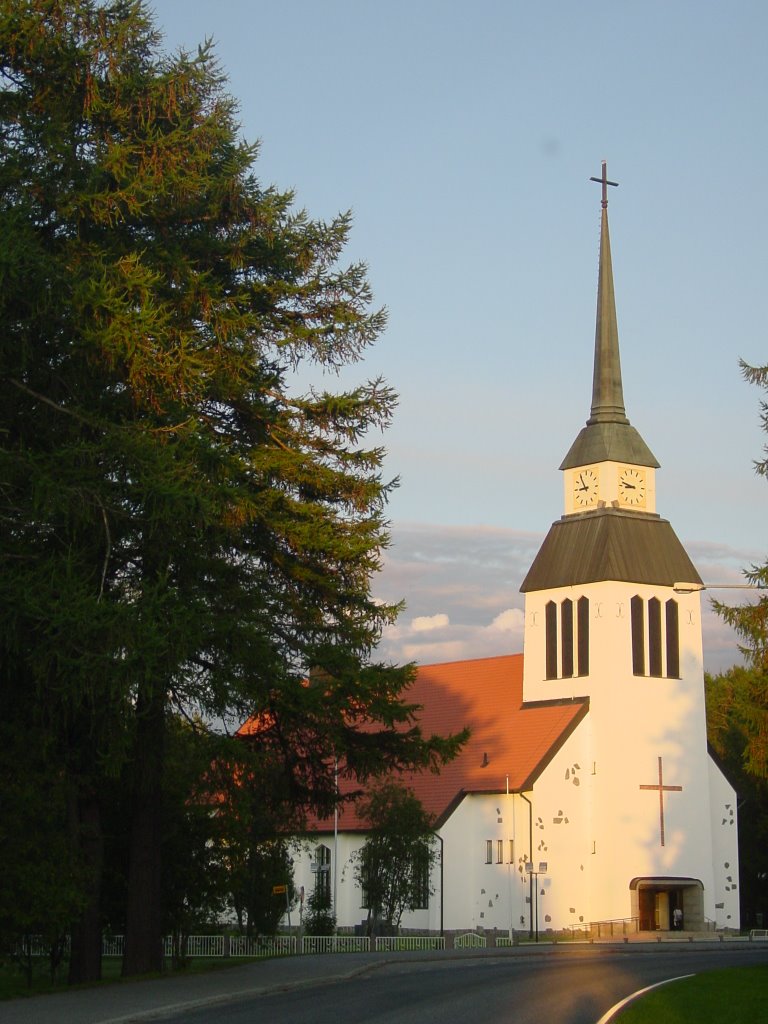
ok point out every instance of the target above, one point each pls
(144, 1000)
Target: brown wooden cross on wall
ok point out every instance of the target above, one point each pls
(603, 180)
(662, 790)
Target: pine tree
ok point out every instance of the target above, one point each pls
(186, 532)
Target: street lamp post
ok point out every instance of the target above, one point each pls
(534, 876)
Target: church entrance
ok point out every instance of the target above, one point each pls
(668, 904)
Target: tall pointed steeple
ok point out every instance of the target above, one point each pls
(607, 391)
(608, 435)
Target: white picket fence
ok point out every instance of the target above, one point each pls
(335, 944)
(407, 943)
(112, 945)
(35, 945)
(197, 945)
(262, 945)
(286, 945)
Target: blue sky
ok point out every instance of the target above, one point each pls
(463, 136)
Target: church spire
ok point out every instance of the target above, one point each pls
(608, 435)
(607, 392)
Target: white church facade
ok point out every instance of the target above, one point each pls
(586, 792)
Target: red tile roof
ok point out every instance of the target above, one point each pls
(509, 742)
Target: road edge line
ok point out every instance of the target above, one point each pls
(609, 1015)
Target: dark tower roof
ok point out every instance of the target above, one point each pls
(610, 544)
(608, 435)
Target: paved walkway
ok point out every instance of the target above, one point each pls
(127, 1001)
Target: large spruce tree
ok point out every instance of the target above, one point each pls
(183, 532)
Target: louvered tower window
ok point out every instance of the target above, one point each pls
(655, 638)
(567, 638)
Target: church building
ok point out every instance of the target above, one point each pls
(586, 792)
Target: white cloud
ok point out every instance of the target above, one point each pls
(426, 623)
(473, 574)
(512, 620)
(426, 654)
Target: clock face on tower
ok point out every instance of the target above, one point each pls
(585, 488)
(632, 486)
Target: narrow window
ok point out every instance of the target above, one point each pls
(550, 620)
(511, 851)
(566, 612)
(322, 876)
(638, 636)
(489, 851)
(365, 880)
(654, 637)
(673, 640)
(420, 869)
(499, 851)
(582, 614)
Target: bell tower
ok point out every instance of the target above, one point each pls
(610, 533)
(606, 619)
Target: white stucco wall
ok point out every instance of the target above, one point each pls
(725, 849)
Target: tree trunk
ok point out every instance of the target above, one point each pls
(144, 913)
(87, 835)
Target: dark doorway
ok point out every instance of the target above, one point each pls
(647, 910)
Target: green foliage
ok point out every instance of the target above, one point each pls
(319, 917)
(737, 716)
(42, 879)
(185, 533)
(393, 866)
(257, 857)
(737, 719)
(751, 620)
(195, 879)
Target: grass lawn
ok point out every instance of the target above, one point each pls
(13, 981)
(738, 995)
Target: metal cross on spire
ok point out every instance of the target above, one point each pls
(605, 183)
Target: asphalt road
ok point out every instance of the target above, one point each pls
(575, 987)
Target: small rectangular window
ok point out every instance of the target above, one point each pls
(499, 851)
(489, 851)
(511, 851)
